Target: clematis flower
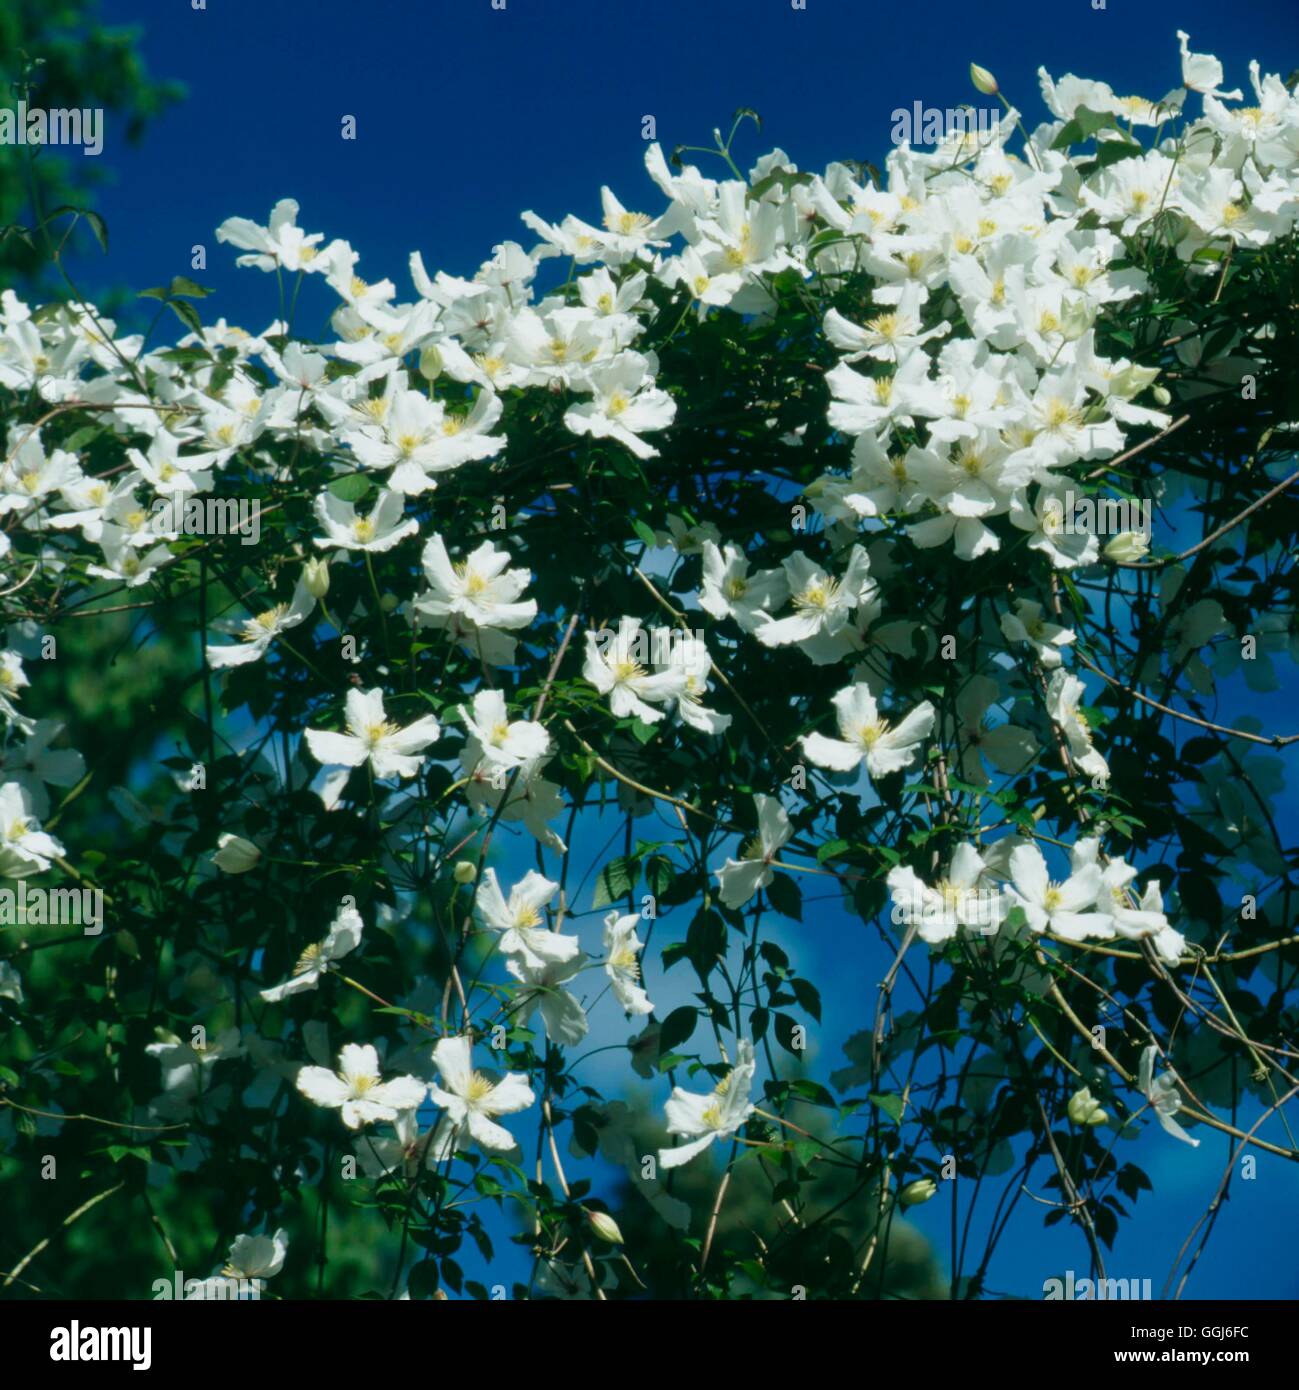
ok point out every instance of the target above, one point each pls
(701, 1120)
(389, 749)
(256, 1257)
(963, 898)
(620, 964)
(519, 921)
(24, 847)
(1057, 907)
(281, 243)
(257, 634)
(235, 855)
(626, 404)
(471, 1100)
(729, 590)
(500, 741)
(563, 1018)
(376, 533)
(1202, 72)
(616, 668)
(318, 959)
(479, 588)
(406, 1150)
(1064, 704)
(1163, 1095)
(1115, 896)
(823, 605)
(1026, 624)
(739, 879)
(868, 738)
(355, 1088)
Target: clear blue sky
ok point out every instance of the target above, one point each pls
(466, 115)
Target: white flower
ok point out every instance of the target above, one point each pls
(1057, 907)
(884, 747)
(379, 531)
(11, 984)
(1063, 700)
(626, 404)
(24, 847)
(280, 243)
(729, 590)
(739, 879)
(564, 1018)
(1115, 897)
(318, 959)
(257, 1257)
(822, 605)
(960, 899)
(1127, 546)
(478, 588)
(620, 964)
(1026, 624)
(500, 741)
(406, 1150)
(234, 854)
(356, 1090)
(1202, 72)
(616, 666)
(519, 921)
(1163, 1096)
(257, 634)
(471, 1100)
(389, 749)
(703, 1119)
(690, 658)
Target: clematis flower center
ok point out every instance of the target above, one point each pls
(818, 596)
(870, 734)
(308, 960)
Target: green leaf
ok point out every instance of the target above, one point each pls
(99, 227)
(808, 996)
(350, 488)
(786, 897)
(1082, 127)
(891, 1105)
(186, 313)
(677, 1027)
(616, 880)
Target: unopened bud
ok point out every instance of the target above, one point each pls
(1075, 319)
(430, 364)
(921, 1190)
(983, 80)
(235, 855)
(1127, 546)
(1085, 1109)
(465, 871)
(604, 1226)
(315, 575)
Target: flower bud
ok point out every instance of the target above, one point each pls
(1084, 1109)
(315, 575)
(921, 1190)
(1162, 395)
(1127, 546)
(604, 1226)
(465, 871)
(983, 80)
(1075, 319)
(235, 855)
(430, 364)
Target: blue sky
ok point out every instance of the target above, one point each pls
(467, 115)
